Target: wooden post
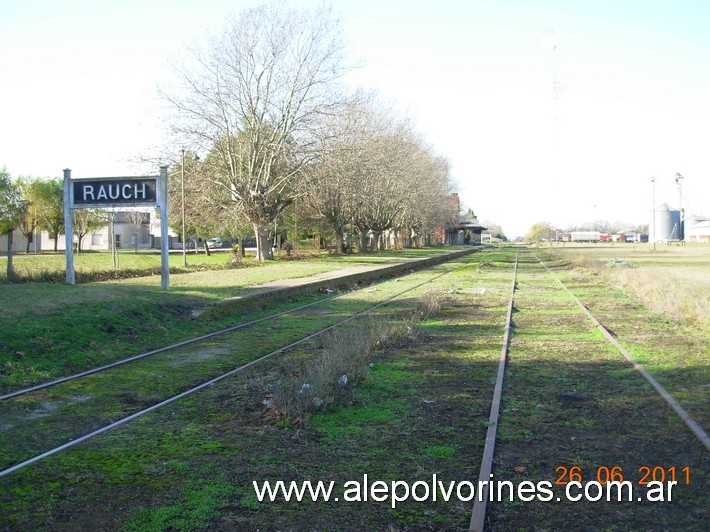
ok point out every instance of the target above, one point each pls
(163, 199)
(68, 231)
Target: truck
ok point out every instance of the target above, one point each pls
(585, 236)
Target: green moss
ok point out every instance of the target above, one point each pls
(197, 506)
(439, 451)
(356, 420)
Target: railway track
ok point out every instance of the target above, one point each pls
(549, 317)
(564, 398)
(118, 391)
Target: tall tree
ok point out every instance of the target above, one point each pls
(12, 204)
(33, 193)
(12, 208)
(540, 231)
(332, 183)
(253, 99)
(385, 169)
(51, 215)
(360, 173)
(45, 207)
(427, 202)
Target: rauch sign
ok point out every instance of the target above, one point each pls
(113, 193)
(108, 192)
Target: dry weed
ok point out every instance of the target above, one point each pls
(327, 379)
(676, 299)
(679, 299)
(430, 303)
(306, 386)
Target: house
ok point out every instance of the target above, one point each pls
(131, 229)
(466, 232)
(697, 229)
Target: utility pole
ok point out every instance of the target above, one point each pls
(182, 197)
(549, 42)
(653, 185)
(678, 179)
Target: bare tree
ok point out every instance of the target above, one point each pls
(332, 184)
(137, 220)
(386, 167)
(427, 202)
(357, 179)
(85, 221)
(253, 99)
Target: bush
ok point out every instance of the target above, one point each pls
(394, 332)
(430, 304)
(327, 379)
(343, 361)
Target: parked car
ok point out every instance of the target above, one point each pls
(215, 242)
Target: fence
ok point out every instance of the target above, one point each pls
(97, 265)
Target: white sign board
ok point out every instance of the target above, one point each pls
(112, 192)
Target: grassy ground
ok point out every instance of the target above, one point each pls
(571, 401)
(671, 280)
(50, 330)
(421, 410)
(673, 283)
(97, 266)
(50, 267)
(191, 466)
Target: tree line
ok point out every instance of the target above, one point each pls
(279, 136)
(29, 204)
(275, 139)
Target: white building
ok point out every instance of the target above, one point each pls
(697, 229)
(132, 229)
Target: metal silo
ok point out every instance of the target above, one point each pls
(666, 224)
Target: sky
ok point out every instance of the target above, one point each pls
(79, 89)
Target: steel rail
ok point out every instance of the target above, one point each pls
(159, 350)
(141, 356)
(478, 514)
(694, 427)
(210, 382)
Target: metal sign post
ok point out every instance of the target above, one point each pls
(163, 201)
(117, 192)
(68, 230)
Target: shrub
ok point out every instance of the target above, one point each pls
(327, 379)
(430, 303)
(343, 361)
(394, 332)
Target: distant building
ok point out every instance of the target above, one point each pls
(467, 231)
(697, 229)
(132, 230)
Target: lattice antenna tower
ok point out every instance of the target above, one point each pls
(549, 42)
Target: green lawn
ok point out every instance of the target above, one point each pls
(421, 410)
(51, 329)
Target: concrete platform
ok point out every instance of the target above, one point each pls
(282, 289)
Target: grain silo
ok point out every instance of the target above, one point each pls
(667, 225)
